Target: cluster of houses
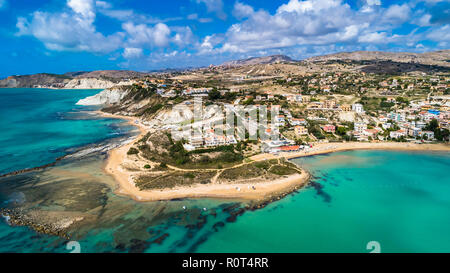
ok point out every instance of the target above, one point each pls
(409, 122)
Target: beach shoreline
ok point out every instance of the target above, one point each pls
(326, 148)
(263, 191)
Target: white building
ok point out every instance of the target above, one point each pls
(360, 127)
(397, 134)
(358, 108)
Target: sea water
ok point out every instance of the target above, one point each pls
(39, 125)
(398, 201)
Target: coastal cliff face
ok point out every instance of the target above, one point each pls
(88, 83)
(73, 80)
(107, 96)
(9, 82)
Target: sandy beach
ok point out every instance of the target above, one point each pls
(325, 148)
(263, 190)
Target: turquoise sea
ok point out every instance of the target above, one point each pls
(400, 200)
(39, 125)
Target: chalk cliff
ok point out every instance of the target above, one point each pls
(107, 96)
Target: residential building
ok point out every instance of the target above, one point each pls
(360, 127)
(300, 130)
(329, 128)
(358, 108)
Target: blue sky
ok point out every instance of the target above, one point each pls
(58, 36)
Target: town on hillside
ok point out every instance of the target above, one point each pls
(311, 108)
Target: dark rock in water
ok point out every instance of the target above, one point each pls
(320, 192)
(229, 208)
(217, 225)
(201, 221)
(34, 169)
(138, 246)
(160, 239)
(190, 226)
(120, 247)
(214, 213)
(231, 218)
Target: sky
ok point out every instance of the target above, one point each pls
(58, 36)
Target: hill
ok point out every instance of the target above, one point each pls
(259, 60)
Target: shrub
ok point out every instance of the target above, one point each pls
(189, 175)
(132, 151)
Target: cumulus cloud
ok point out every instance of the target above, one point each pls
(142, 35)
(242, 10)
(183, 37)
(313, 22)
(398, 13)
(296, 22)
(73, 30)
(297, 27)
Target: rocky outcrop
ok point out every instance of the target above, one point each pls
(107, 96)
(88, 83)
(10, 82)
(44, 80)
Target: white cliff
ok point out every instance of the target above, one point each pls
(107, 96)
(88, 83)
(93, 83)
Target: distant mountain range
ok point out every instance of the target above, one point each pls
(259, 60)
(374, 61)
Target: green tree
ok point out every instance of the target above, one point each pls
(214, 94)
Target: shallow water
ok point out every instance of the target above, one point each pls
(399, 199)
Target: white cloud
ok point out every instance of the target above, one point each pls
(214, 6)
(313, 22)
(308, 6)
(441, 34)
(142, 34)
(183, 36)
(132, 53)
(374, 37)
(69, 31)
(398, 13)
(424, 20)
(83, 7)
(74, 30)
(294, 23)
(241, 10)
